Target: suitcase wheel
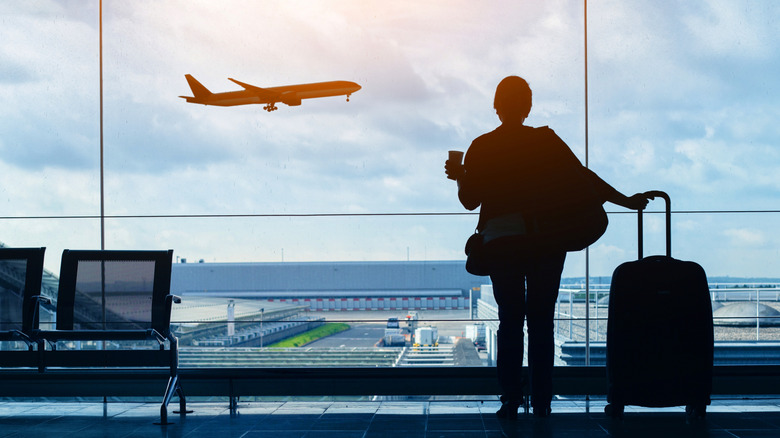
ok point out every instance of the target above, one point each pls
(614, 410)
(696, 412)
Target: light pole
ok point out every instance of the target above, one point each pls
(262, 332)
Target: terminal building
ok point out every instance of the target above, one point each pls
(334, 286)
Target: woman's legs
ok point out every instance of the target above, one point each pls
(509, 292)
(544, 279)
(537, 304)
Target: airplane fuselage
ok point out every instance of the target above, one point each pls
(290, 94)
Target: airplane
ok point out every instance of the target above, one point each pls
(290, 94)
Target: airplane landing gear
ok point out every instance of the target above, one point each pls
(348, 97)
(270, 107)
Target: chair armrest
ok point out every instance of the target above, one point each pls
(40, 299)
(22, 336)
(169, 300)
(36, 302)
(32, 310)
(154, 334)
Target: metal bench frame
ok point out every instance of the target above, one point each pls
(157, 330)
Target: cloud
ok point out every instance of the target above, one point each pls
(682, 97)
(27, 192)
(733, 29)
(13, 72)
(745, 237)
(688, 225)
(640, 155)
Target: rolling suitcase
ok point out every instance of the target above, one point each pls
(659, 332)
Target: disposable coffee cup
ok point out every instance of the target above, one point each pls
(456, 157)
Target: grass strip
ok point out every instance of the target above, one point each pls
(311, 335)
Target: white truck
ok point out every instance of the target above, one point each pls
(426, 337)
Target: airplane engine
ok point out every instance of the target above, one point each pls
(290, 98)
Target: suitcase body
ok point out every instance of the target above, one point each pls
(659, 333)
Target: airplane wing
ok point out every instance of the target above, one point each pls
(261, 92)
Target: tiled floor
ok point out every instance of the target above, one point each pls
(364, 419)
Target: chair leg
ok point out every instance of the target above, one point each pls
(163, 416)
(182, 402)
(41, 356)
(173, 383)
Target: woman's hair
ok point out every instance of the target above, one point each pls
(513, 97)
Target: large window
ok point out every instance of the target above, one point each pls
(681, 97)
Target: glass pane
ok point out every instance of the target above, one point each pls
(681, 97)
(124, 286)
(12, 279)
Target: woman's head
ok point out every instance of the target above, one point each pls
(513, 98)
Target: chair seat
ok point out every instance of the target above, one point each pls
(100, 335)
(15, 335)
(110, 358)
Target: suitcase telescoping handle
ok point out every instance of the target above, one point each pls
(652, 195)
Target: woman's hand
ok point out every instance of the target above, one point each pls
(636, 202)
(454, 170)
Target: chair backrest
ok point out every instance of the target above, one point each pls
(114, 290)
(21, 271)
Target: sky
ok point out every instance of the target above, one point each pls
(682, 97)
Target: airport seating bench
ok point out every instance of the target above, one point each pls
(21, 273)
(112, 317)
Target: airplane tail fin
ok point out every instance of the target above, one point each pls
(198, 90)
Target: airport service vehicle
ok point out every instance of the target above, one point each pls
(393, 335)
(411, 321)
(394, 340)
(426, 337)
(659, 333)
(476, 332)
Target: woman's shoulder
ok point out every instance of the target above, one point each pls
(505, 134)
(484, 141)
(546, 135)
(486, 137)
(544, 131)
(506, 129)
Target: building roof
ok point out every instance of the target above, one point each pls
(323, 279)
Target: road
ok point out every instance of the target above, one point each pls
(359, 335)
(368, 327)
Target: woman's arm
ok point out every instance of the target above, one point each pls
(466, 193)
(634, 202)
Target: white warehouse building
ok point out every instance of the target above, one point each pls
(336, 286)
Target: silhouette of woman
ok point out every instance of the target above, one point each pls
(508, 172)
